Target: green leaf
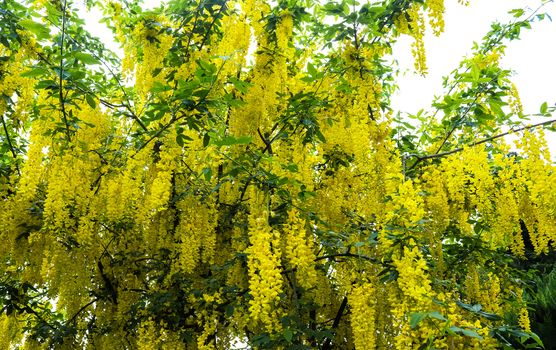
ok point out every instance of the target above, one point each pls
(311, 69)
(292, 167)
(495, 107)
(181, 139)
(544, 107)
(47, 84)
(536, 338)
(416, 318)
(242, 86)
(475, 72)
(35, 72)
(489, 316)
(91, 101)
(40, 30)
(517, 12)
(207, 172)
(206, 139)
(208, 67)
(466, 332)
(156, 72)
(159, 87)
(436, 315)
(86, 58)
(288, 335)
(229, 310)
(470, 333)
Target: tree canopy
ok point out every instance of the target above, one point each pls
(239, 178)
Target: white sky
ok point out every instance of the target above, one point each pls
(533, 58)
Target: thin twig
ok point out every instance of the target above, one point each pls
(82, 309)
(488, 139)
(61, 80)
(10, 144)
(348, 255)
(214, 18)
(460, 119)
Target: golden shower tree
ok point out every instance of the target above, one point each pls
(238, 178)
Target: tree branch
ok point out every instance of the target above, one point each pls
(462, 117)
(339, 314)
(348, 255)
(214, 18)
(488, 139)
(10, 144)
(268, 143)
(82, 309)
(61, 80)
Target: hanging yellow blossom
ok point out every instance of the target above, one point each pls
(299, 249)
(362, 301)
(265, 280)
(436, 15)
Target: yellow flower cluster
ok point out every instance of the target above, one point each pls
(402, 24)
(539, 181)
(412, 23)
(122, 193)
(147, 337)
(515, 101)
(485, 60)
(13, 84)
(436, 15)
(235, 43)
(362, 302)
(413, 280)
(143, 54)
(154, 337)
(262, 103)
(61, 207)
(265, 280)
(209, 328)
(284, 31)
(9, 332)
(505, 229)
(153, 58)
(469, 185)
(255, 10)
(197, 233)
(415, 295)
(407, 205)
(207, 320)
(299, 249)
(418, 32)
(523, 318)
(33, 172)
